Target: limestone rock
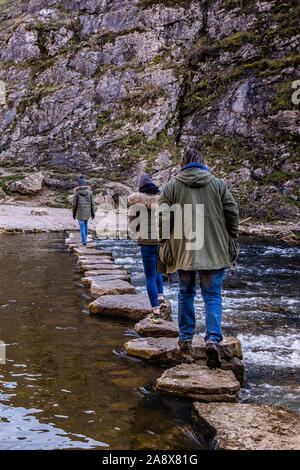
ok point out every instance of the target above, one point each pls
(97, 260)
(202, 383)
(132, 307)
(244, 426)
(98, 267)
(166, 328)
(87, 251)
(163, 350)
(94, 281)
(22, 45)
(3, 195)
(111, 287)
(104, 272)
(40, 212)
(30, 185)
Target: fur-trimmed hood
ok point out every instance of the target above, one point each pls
(147, 200)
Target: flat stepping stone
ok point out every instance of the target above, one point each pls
(94, 280)
(133, 307)
(244, 426)
(204, 384)
(111, 287)
(72, 246)
(166, 328)
(99, 266)
(163, 350)
(104, 272)
(92, 261)
(92, 252)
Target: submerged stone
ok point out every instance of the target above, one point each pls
(202, 383)
(166, 328)
(111, 287)
(244, 426)
(95, 280)
(133, 307)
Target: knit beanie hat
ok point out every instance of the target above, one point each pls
(144, 179)
(81, 181)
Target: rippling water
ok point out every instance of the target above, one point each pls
(261, 306)
(67, 383)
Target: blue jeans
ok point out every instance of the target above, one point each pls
(83, 224)
(154, 280)
(211, 284)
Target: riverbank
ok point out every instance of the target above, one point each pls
(30, 219)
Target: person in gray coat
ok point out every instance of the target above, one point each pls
(83, 207)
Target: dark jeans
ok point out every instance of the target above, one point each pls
(154, 280)
(211, 284)
(83, 224)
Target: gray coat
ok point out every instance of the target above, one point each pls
(83, 203)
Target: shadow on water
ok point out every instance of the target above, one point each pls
(65, 383)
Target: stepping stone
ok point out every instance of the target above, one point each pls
(166, 328)
(92, 252)
(204, 384)
(133, 307)
(92, 261)
(112, 287)
(163, 350)
(72, 246)
(104, 272)
(94, 280)
(99, 266)
(244, 426)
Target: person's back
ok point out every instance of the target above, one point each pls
(219, 221)
(142, 217)
(203, 237)
(83, 207)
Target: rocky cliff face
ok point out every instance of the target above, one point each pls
(115, 87)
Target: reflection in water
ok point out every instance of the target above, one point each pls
(67, 383)
(62, 385)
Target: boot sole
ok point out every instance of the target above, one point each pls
(213, 361)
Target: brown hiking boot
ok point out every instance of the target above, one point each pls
(184, 352)
(164, 310)
(213, 353)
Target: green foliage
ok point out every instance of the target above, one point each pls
(5, 181)
(283, 99)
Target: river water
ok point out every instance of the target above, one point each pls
(67, 383)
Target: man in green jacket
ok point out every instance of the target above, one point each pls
(83, 207)
(198, 231)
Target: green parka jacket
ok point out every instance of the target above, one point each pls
(83, 203)
(218, 223)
